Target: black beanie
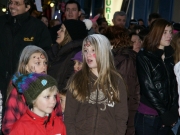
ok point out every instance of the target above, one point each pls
(76, 29)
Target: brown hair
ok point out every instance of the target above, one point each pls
(66, 39)
(176, 46)
(118, 36)
(152, 40)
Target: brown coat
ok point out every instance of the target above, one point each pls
(96, 116)
(125, 61)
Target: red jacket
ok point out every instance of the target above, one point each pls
(32, 124)
(16, 107)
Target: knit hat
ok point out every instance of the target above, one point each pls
(31, 85)
(76, 29)
(78, 56)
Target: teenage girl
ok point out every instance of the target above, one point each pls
(96, 100)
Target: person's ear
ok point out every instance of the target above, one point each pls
(28, 7)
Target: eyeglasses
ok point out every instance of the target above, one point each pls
(16, 3)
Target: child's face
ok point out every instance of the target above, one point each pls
(37, 63)
(77, 65)
(90, 56)
(45, 102)
(62, 101)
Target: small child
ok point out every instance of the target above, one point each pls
(78, 62)
(62, 96)
(32, 59)
(40, 91)
(77, 66)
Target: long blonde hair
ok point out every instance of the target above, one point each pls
(176, 46)
(23, 61)
(108, 78)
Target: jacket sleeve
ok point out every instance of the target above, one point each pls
(121, 110)
(127, 68)
(15, 108)
(147, 88)
(70, 113)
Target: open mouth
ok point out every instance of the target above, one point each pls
(43, 72)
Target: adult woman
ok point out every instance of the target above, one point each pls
(125, 61)
(69, 42)
(158, 109)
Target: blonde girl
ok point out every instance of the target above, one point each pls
(32, 59)
(96, 101)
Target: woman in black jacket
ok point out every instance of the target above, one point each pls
(158, 109)
(69, 42)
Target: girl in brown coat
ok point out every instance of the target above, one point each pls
(96, 102)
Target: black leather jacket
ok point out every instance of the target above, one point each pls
(158, 87)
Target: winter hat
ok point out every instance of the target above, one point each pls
(31, 85)
(76, 29)
(78, 56)
(88, 23)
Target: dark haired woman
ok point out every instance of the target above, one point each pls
(158, 109)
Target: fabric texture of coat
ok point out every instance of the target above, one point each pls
(61, 66)
(96, 116)
(32, 124)
(158, 86)
(125, 61)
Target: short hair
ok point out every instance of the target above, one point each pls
(119, 13)
(73, 2)
(154, 16)
(118, 36)
(140, 20)
(28, 2)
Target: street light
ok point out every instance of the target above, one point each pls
(52, 4)
(3, 7)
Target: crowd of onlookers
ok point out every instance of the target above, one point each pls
(82, 76)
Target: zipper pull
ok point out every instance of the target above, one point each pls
(14, 20)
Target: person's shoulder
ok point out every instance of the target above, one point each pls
(3, 18)
(36, 21)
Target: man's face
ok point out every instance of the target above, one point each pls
(17, 7)
(72, 12)
(119, 21)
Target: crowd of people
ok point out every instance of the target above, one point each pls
(80, 76)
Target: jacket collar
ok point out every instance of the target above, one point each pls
(66, 48)
(20, 19)
(168, 51)
(36, 118)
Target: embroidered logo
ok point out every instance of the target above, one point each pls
(28, 39)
